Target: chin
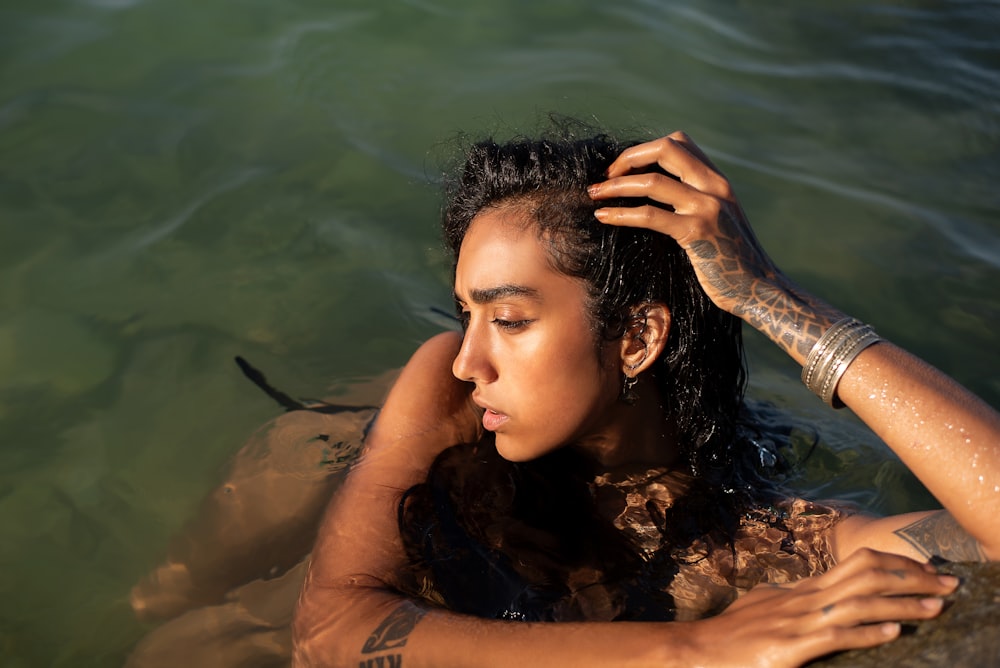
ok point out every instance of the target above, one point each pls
(514, 451)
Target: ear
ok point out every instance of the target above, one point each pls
(645, 337)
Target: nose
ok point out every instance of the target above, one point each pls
(473, 363)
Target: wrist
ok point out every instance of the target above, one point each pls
(830, 356)
(692, 644)
(792, 318)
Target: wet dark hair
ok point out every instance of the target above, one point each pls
(700, 374)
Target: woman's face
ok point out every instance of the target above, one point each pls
(529, 346)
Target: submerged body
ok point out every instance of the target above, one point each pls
(570, 351)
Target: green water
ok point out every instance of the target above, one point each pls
(184, 181)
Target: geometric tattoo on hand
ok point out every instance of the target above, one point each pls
(939, 535)
(394, 629)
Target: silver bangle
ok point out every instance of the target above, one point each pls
(832, 354)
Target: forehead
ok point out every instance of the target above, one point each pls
(501, 245)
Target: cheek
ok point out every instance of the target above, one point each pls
(561, 403)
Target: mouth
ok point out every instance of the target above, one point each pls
(492, 419)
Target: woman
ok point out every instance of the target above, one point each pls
(571, 347)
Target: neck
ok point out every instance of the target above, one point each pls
(636, 435)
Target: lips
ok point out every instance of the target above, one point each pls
(492, 420)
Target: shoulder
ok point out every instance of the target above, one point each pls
(427, 399)
(427, 381)
(438, 351)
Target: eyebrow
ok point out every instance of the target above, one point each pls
(488, 295)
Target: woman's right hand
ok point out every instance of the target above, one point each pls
(857, 604)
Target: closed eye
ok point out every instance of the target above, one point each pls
(510, 324)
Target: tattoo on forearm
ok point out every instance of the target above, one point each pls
(391, 634)
(735, 266)
(939, 535)
(390, 661)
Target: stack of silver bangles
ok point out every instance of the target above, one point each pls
(832, 354)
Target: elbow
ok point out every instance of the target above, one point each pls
(304, 654)
(322, 631)
(307, 649)
(315, 646)
(332, 622)
(308, 654)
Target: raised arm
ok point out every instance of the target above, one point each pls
(947, 436)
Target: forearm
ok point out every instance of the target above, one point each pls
(948, 437)
(380, 628)
(792, 318)
(777, 627)
(444, 639)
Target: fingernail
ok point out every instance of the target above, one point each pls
(601, 214)
(593, 190)
(948, 581)
(890, 629)
(932, 604)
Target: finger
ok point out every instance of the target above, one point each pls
(872, 609)
(839, 638)
(649, 217)
(760, 593)
(673, 158)
(865, 559)
(664, 152)
(894, 582)
(655, 186)
(870, 572)
(684, 140)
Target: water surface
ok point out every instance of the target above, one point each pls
(182, 182)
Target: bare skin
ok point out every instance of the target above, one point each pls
(348, 613)
(947, 436)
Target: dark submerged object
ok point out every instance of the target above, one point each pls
(288, 402)
(262, 519)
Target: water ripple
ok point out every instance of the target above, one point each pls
(132, 244)
(710, 21)
(983, 247)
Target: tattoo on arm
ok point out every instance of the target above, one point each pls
(939, 535)
(391, 634)
(735, 266)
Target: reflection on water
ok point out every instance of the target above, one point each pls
(184, 182)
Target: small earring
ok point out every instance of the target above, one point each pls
(628, 393)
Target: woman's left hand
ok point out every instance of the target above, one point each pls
(694, 203)
(944, 434)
